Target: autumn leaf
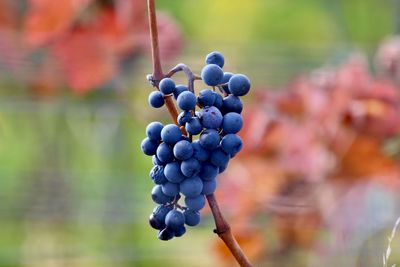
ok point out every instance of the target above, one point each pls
(47, 19)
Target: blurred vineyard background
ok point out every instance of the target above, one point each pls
(316, 185)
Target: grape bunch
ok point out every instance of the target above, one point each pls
(187, 158)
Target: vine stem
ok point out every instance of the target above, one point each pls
(223, 229)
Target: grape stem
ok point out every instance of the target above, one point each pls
(223, 229)
(188, 72)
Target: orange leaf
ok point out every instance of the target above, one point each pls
(87, 62)
(47, 18)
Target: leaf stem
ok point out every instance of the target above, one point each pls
(223, 229)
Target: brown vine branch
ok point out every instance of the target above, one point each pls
(223, 230)
(157, 69)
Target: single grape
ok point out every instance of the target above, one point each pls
(161, 211)
(180, 232)
(218, 100)
(192, 217)
(149, 147)
(157, 175)
(190, 167)
(206, 98)
(171, 134)
(156, 99)
(166, 234)
(199, 152)
(209, 187)
(167, 86)
(195, 203)
(222, 168)
(212, 74)
(155, 223)
(232, 123)
(215, 58)
(209, 139)
(186, 100)
(183, 150)
(170, 189)
(231, 144)
(157, 217)
(172, 172)
(208, 171)
(219, 158)
(158, 196)
(179, 89)
(239, 85)
(232, 103)
(210, 117)
(184, 117)
(153, 130)
(194, 126)
(174, 219)
(156, 161)
(225, 79)
(164, 153)
(191, 187)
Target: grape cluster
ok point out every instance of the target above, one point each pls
(187, 159)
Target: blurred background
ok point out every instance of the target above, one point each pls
(317, 183)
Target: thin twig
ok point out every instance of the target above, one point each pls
(188, 72)
(223, 230)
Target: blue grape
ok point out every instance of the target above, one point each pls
(222, 168)
(215, 58)
(219, 158)
(209, 187)
(218, 100)
(210, 117)
(180, 231)
(209, 139)
(191, 187)
(156, 160)
(170, 189)
(157, 175)
(232, 123)
(158, 196)
(225, 80)
(206, 98)
(195, 203)
(174, 219)
(184, 117)
(186, 100)
(172, 172)
(231, 144)
(194, 126)
(167, 86)
(179, 89)
(156, 99)
(239, 85)
(157, 218)
(212, 75)
(190, 167)
(149, 147)
(208, 171)
(171, 134)
(199, 152)
(232, 103)
(155, 223)
(183, 150)
(192, 217)
(166, 234)
(164, 153)
(153, 130)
